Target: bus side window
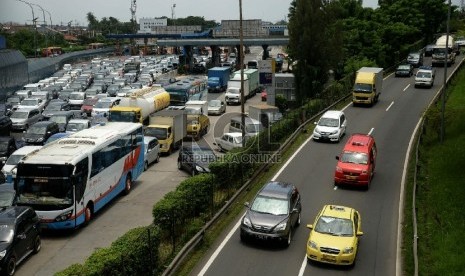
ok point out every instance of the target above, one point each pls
(81, 173)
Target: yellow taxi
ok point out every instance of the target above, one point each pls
(334, 235)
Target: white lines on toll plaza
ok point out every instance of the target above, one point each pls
(389, 106)
(408, 85)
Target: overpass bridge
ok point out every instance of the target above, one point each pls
(188, 41)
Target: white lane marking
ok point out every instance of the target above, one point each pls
(335, 187)
(218, 250)
(389, 106)
(303, 266)
(407, 87)
(371, 131)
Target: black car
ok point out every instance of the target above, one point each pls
(7, 147)
(5, 125)
(54, 106)
(195, 159)
(20, 236)
(273, 214)
(62, 118)
(39, 132)
(404, 70)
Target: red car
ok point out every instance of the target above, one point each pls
(88, 105)
(264, 95)
(356, 163)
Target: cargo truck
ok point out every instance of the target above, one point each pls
(233, 92)
(197, 119)
(440, 54)
(169, 127)
(140, 105)
(218, 78)
(368, 85)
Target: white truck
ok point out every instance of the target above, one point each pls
(442, 55)
(233, 92)
(169, 127)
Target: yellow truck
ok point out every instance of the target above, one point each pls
(139, 105)
(169, 127)
(197, 119)
(368, 85)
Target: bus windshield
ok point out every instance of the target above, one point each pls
(46, 187)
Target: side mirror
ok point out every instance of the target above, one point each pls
(359, 233)
(309, 226)
(337, 157)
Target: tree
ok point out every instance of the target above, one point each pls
(313, 42)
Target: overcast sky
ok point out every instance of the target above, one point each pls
(63, 11)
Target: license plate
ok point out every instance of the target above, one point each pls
(351, 177)
(261, 237)
(329, 258)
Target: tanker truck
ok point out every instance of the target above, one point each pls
(139, 105)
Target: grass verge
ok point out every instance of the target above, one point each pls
(440, 192)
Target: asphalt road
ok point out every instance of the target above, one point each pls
(61, 249)
(391, 122)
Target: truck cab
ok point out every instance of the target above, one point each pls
(197, 119)
(368, 85)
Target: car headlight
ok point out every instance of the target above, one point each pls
(312, 244)
(316, 130)
(281, 226)
(348, 250)
(64, 216)
(2, 254)
(40, 139)
(246, 222)
(200, 169)
(334, 132)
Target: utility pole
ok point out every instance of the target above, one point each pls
(443, 95)
(241, 58)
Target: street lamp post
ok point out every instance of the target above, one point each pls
(51, 26)
(35, 26)
(45, 26)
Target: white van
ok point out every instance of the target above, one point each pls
(252, 126)
(34, 86)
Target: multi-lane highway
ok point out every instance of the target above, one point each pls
(61, 249)
(392, 122)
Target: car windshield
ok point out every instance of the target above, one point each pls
(328, 122)
(423, 75)
(53, 107)
(414, 56)
(335, 226)
(403, 67)
(6, 233)
(37, 130)
(103, 104)
(19, 115)
(14, 159)
(4, 146)
(59, 119)
(7, 198)
(76, 96)
(354, 157)
(159, 133)
(214, 103)
(75, 126)
(29, 102)
(270, 205)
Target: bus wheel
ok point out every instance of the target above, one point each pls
(88, 215)
(127, 188)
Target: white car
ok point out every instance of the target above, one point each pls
(32, 103)
(424, 77)
(103, 106)
(75, 125)
(9, 169)
(331, 126)
(152, 151)
(229, 141)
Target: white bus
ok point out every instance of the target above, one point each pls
(66, 182)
